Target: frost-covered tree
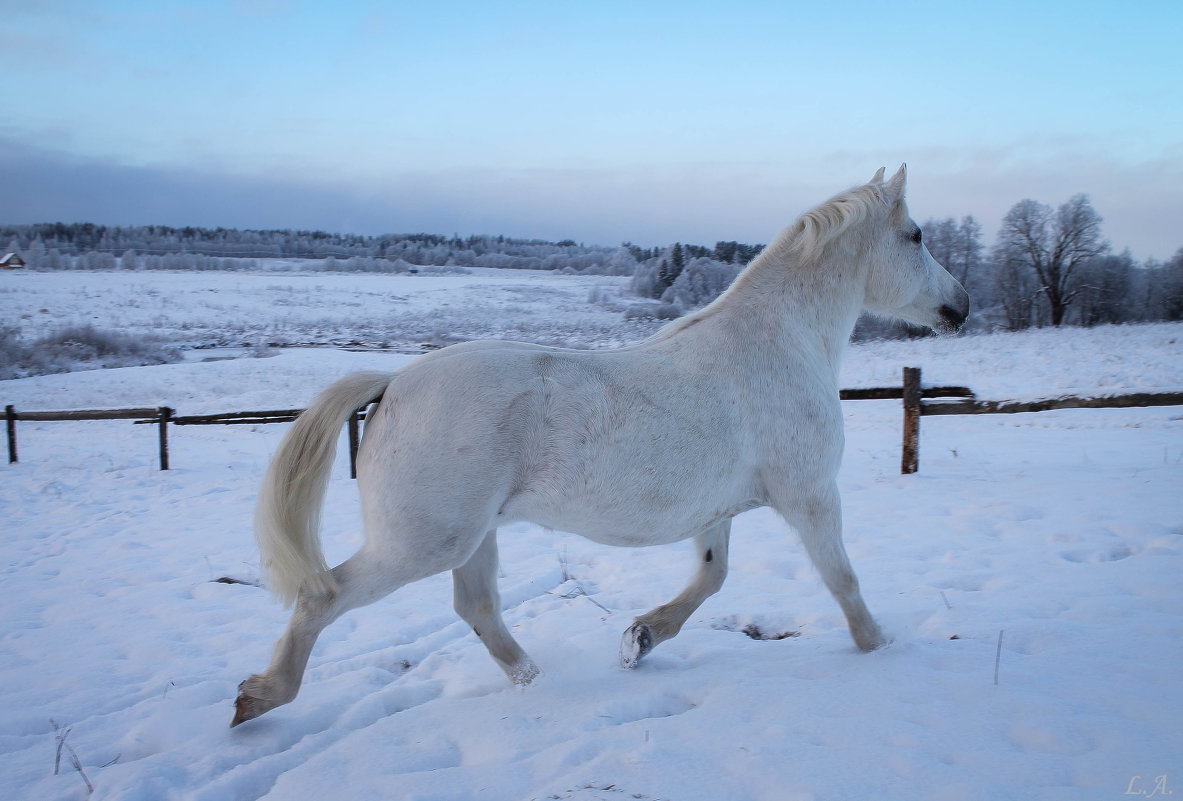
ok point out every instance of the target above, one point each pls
(1053, 245)
(700, 282)
(621, 262)
(646, 283)
(672, 266)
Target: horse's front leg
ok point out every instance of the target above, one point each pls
(666, 620)
(817, 517)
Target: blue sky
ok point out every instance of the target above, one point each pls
(603, 122)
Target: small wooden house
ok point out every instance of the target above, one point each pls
(11, 261)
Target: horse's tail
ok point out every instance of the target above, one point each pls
(287, 517)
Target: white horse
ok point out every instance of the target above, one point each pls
(727, 409)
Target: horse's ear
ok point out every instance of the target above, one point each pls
(898, 182)
(877, 177)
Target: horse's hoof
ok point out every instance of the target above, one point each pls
(523, 673)
(243, 710)
(636, 642)
(872, 641)
(248, 706)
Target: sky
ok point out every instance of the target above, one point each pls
(597, 121)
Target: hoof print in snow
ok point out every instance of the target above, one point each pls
(757, 633)
(231, 580)
(742, 624)
(596, 792)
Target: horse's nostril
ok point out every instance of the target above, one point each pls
(953, 317)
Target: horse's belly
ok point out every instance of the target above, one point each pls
(637, 538)
(624, 531)
(631, 516)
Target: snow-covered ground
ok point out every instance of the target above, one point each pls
(1061, 530)
(212, 309)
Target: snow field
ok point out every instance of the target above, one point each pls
(217, 309)
(1064, 530)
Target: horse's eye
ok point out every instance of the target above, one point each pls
(917, 235)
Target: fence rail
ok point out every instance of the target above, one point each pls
(1133, 400)
(90, 414)
(239, 418)
(896, 393)
(918, 401)
(162, 416)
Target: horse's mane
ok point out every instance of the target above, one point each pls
(808, 236)
(803, 242)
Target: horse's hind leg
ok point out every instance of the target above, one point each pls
(362, 579)
(818, 520)
(665, 621)
(478, 602)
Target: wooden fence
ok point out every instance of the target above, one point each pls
(917, 402)
(162, 416)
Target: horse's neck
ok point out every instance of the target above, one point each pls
(799, 307)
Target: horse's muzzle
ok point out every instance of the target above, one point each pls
(952, 319)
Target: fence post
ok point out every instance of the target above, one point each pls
(353, 440)
(165, 414)
(10, 414)
(910, 455)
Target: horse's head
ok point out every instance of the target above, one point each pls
(903, 279)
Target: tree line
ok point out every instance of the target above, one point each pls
(1047, 266)
(88, 246)
(1053, 266)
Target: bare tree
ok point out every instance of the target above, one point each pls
(958, 247)
(940, 237)
(1053, 244)
(967, 251)
(1108, 291)
(1164, 288)
(1015, 291)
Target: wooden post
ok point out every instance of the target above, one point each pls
(10, 414)
(910, 456)
(165, 414)
(353, 440)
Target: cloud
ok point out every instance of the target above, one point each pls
(703, 203)
(699, 202)
(39, 185)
